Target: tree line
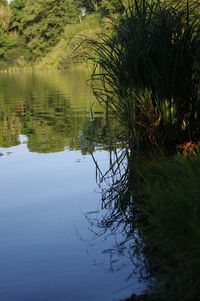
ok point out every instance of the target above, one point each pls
(29, 29)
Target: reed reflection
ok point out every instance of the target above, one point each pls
(120, 216)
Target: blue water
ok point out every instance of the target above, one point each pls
(47, 251)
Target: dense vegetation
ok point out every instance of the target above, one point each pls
(171, 235)
(147, 74)
(30, 30)
(154, 204)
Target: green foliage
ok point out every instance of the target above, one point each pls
(18, 55)
(44, 23)
(6, 44)
(104, 7)
(112, 7)
(17, 7)
(68, 49)
(148, 72)
(49, 29)
(171, 233)
(90, 5)
(5, 16)
(13, 51)
(3, 2)
(12, 47)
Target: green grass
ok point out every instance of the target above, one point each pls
(171, 233)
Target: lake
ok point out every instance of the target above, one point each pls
(48, 247)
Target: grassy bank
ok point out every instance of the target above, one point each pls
(170, 234)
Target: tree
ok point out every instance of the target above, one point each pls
(90, 5)
(6, 43)
(112, 7)
(17, 7)
(44, 23)
(12, 46)
(104, 6)
(3, 2)
(5, 15)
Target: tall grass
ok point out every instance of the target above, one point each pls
(147, 72)
(171, 233)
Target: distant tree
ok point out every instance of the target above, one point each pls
(5, 16)
(17, 7)
(90, 5)
(6, 43)
(112, 7)
(44, 22)
(3, 2)
(104, 6)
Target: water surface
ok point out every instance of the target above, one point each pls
(47, 184)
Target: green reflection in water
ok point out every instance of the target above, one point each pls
(53, 109)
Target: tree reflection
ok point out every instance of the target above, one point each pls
(55, 111)
(51, 109)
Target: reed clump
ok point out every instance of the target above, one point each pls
(148, 72)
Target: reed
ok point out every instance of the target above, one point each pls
(147, 71)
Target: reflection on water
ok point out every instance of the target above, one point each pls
(55, 111)
(47, 181)
(120, 215)
(52, 109)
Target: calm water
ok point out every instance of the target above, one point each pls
(47, 184)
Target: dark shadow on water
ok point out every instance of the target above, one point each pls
(120, 216)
